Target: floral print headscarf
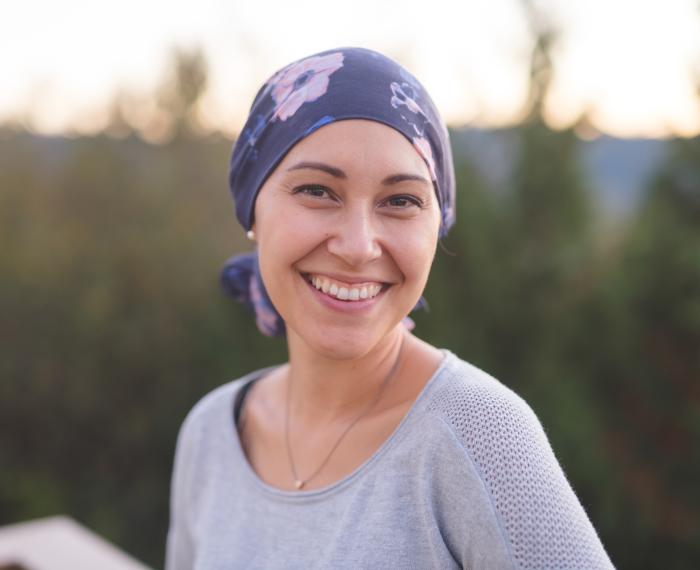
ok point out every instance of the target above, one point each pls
(334, 85)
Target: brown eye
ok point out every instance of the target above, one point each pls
(313, 190)
(404, 201)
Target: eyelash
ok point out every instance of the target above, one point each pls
(303, 189)
(407, 197)
(413, 200)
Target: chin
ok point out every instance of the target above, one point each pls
(342, 342)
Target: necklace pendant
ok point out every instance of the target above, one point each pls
(298, 484)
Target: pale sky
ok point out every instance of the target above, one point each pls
(630, 63)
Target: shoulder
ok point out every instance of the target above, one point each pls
(539, 513)
(473, 402)
(215, 409)
(206, 433)
(497, 429)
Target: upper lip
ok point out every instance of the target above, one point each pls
(349, 279)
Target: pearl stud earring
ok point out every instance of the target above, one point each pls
(250, 234)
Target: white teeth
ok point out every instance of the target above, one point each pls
(344, 293)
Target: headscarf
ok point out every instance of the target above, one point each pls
(334, 85)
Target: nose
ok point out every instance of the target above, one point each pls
(354, 238)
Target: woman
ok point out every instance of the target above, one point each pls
(369, 448)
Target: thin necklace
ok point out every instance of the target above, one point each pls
(299, 483)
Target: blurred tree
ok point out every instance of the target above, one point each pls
(547, 219)
(119, 124)
(648, 319)
(113, 324)
(541, 69)
(180, 92)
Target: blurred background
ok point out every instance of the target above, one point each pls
(572, 275)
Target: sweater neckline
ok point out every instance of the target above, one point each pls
(302, 496)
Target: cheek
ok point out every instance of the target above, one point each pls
(285, 236)
(292, 231)
(414, 255)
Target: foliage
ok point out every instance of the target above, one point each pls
(113, 324)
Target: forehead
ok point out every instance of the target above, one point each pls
(359, 144)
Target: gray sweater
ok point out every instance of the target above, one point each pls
(466, 480)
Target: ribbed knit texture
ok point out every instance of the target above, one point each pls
(467, 480)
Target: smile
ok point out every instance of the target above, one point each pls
(344, 291)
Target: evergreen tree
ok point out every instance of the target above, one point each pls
(648, 370)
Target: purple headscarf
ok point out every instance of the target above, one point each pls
(334, 85)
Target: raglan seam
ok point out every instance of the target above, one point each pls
(497, 516)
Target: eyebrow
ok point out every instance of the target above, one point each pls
(337, 173)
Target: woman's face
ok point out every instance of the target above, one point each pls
(347, 226)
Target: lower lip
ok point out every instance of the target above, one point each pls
(349, 307)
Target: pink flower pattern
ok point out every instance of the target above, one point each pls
(302, 82)
(401, 95)
(422, 145)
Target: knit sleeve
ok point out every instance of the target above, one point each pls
(541, 518)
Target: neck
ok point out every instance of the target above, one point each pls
(327, 390)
